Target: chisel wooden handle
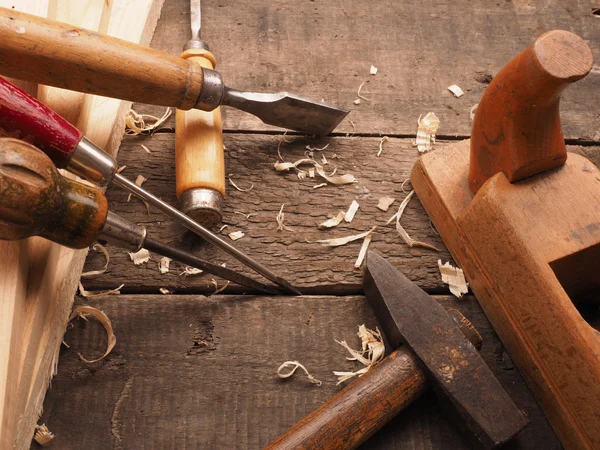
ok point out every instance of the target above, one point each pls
(56, 54)
(354, 414)
(199, 157)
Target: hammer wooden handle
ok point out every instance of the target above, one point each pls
(517, 124)
(199, 158)
(53, 53)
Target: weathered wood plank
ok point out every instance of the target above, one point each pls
(197, 372)
(294, 254)
(324, 49)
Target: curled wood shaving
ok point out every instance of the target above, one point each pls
(349, 216)
(139, 181)
(334, 221)
(316, 149)
(42, 435)
(454, 277)
(235, 235)
(337, 180)
(239, 188)
(217, 288)
(189, 271)
(317, 186)
(222, 228)
(385, 202)
(280, 217)
(400, 229)
(82, 311)
(372, 351)
(359, 89)
(164, 265)
(427, 128)
(137, 123)
(247, 216)
(336, 242)
(457, 91)
(363, 250)
(93, 273)
(141, 257)
(96, 294)
(145, 148)
(403, 183)
(381, 141)
(295, 365)
(473, 110)
(373, 70)
(165, 291)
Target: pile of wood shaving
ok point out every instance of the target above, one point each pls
(83, 312)
(402, 232)
(454, 277)
(295, 365)
(372, 351)
(427, 128)
(137, 123)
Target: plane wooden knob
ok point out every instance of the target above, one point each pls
(517, 128)
(199, 158)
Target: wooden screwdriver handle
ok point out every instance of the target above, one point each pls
(35, 200)
(56, 54)
(199, 158)
(517, 128)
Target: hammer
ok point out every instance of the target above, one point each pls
(436, 352)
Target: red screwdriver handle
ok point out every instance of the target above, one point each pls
(35, 122)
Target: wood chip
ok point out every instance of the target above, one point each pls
(145, 148)
(280, 218)
(93, 273)
(372, 351)
(458, 92)
(239, 188)
(402, 232)
(333, 222)
(336, 242)
(217, 288)
(349, 216)
(357, 101)
(359, 89)
(295, 365)
(363, 251)
(427, 128)
(385, 202)
(139, 181)
(381, 141)
(235, 235)
(99, 294)
(373, 70)
(165, 291)
(317, 186)
(42, 435)
(163, 267)
(83, 311)
(144, 123)
(190, 271)
(473, 110)
(141, 257)
(454, 277)
(121, 169)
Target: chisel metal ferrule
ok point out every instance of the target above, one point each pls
(123, 233)
(203, 205)
(91, 163)
(212, 91)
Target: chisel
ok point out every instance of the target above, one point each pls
(68, 148)
(53, 53)
(199, 157)
(35, 200)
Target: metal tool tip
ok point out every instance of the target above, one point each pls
(287, 287)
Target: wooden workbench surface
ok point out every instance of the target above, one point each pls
(190, 371)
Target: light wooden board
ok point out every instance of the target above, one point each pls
(324, 49)
(293, 254)
(196, 372)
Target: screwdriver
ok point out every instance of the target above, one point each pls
(35, 200)
(199, 156)
(68, 148)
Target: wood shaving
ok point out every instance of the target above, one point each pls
(190, 271)
(473, 110)
(165, 291)
(222, 228)
(385, 202)
(42, 435)
(372, 351)
(145, 148)
(363, 250)
(317, 186)
(373, 70)
(311, 172)
(141, 257)
(333, 222)
(359, 89)
(235, 235)
(139, 123)
(381, 141)
(324, 160)
(427, 128)
(302, 174)
(336, 242)
(83, 311)
(247, 216)
(280, 217)
(139, 181)
(163, 266)
(316, 149)
(357, 101)
(457, 91)
(337, 180)
(295, 365)
(349, 216)
(454, 277)
(400, 229)
(217, 288)
(121, 169)
(239, 188)
(98, 294)
(93, 273)
(403, 183)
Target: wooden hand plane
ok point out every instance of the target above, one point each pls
(521, 216)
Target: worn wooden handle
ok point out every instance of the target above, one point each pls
(199, 158)
(35, 200)
(56, 54)
(517, 123)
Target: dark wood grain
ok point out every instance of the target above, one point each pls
(197, 372)
(324, 49)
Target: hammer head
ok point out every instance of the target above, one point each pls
(409, 315)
